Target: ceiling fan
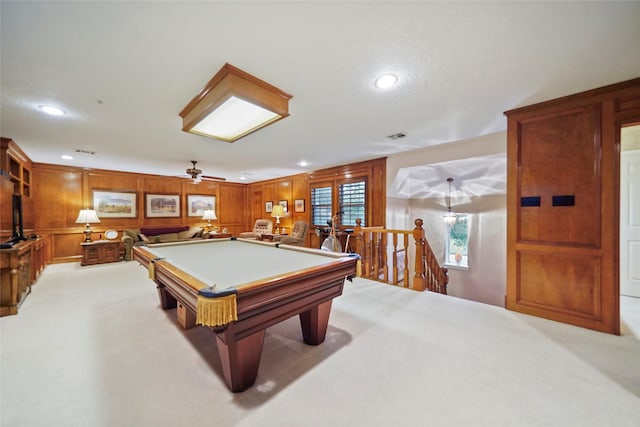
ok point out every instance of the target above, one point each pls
(196, 174)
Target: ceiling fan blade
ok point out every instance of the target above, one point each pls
(213, 178)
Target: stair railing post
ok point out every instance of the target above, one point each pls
(419, 276)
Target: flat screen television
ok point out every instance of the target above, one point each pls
(18, 224)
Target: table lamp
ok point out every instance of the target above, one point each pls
(277, 212)
(209, 214)
(87, 216)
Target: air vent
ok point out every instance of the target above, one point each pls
(397, 135)
(85, 151)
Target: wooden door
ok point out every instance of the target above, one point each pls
(563, 206)
(630, 223)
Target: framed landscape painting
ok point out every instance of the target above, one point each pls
(114, 204)
(196, 205)
(162, 205)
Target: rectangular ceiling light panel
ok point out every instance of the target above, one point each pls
(234, 118)
(234, 104)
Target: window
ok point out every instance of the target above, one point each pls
(457, 242)
(321, 205)
(352, 197)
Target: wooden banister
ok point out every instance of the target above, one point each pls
(384, 251)
(428, 273)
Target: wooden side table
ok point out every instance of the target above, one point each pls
(100, 252)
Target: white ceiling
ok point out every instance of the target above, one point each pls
(123, 71)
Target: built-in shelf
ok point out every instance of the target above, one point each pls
(16, 168)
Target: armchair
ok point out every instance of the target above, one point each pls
(297, 236)
(262, 226)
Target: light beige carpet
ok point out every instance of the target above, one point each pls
(91, 347)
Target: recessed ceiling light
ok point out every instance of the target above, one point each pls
(50, 109)
(66, 157)
(304, 163)
(385, 81)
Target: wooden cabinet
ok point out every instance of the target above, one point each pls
(100, 252)
(20, 266)
(563, 206)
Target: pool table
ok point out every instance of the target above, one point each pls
(240, 287)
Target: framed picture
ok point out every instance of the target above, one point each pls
(284, 205)
(268, 207)
(196, 205)
(115, 204)
(298, 205)
(162, 205)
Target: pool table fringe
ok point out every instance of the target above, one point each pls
(216, 311)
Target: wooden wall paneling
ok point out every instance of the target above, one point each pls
(258, 201)
(231, 208)
(66, 247)
(61, 191)
(378, 192)
(563, 261)
(57, 198)
(269, 194)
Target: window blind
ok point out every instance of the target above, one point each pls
(320, 205)
(352, 198)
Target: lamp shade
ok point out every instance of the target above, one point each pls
(87, 216)
(277, 212)
(209, 214)
(234, 104)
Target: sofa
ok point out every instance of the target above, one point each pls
(150, 235)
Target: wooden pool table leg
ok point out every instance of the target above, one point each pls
(240, 358)
(314, 323)
(167, 300)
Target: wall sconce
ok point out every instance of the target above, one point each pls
(87, 216)
(209, 214)
(234, 104)
(450, 217)
(277, 212)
